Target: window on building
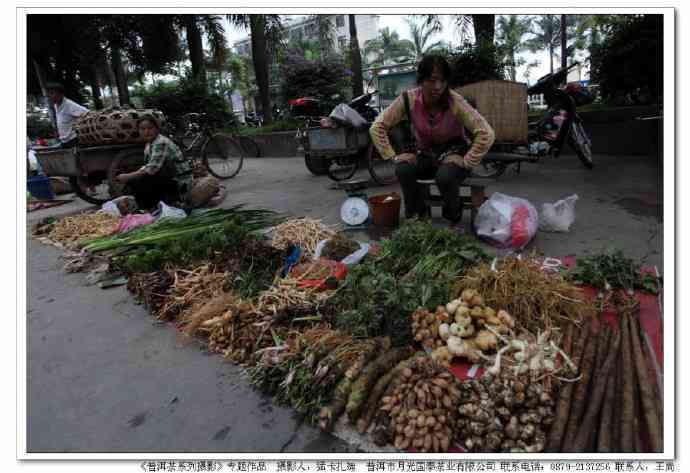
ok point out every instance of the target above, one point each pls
(342, 42)
(310, 30)
(340, 21)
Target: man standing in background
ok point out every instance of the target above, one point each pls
(64, 112)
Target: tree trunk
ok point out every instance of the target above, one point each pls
(551, 57)
(357, 86)
(484, 26)
(110, 81)
(564, 43)
(120, 75)
(259, 56)
(40, 74)
(95, 87)
(196, 48)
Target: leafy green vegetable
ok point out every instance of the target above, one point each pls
(612, 270)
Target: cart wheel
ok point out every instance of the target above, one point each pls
(125, 161)
(316, 166)
(343, 167)
(91, 189)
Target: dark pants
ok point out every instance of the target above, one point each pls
(448, 179)
(149, 190)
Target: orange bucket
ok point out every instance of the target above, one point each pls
(385, 209)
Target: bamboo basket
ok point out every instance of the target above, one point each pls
(112, 126)
(504, 105)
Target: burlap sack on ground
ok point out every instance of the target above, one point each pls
(203, 190)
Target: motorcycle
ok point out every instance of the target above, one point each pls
(560, 124)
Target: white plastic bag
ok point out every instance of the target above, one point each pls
(507, 222)
(346, 115)
(167, 211)
(120, 206)
(559, 216)
(349, 260)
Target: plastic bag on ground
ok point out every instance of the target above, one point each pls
(559, 216)
(166, 211)
(507, 222)
(123, 205)
(346, 115)
(203, 190)
(131, 221)
(349, 260)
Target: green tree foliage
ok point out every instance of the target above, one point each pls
(422, 34)
(320, 79)
(388, 48)
(475, 62)
(628, 65)
(509, 41)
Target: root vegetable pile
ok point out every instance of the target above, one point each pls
(303, 232)
(615, 398)
(72, 232)
(469, 328)
(339, 247)
(504, 413)
(537, 300)
(422, 409)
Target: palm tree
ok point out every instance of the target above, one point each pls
(564, 42)
(266, 37)
(511, 29)
(356, 57)
(388, 47)
(211, 25)
(546, 33)
(326, 33)
(421, 35)
(484, 28)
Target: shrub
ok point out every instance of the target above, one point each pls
(175, 99)
(628, 65)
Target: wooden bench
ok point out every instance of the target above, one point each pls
(477, 187)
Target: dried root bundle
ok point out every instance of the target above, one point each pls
(538, 300)
(303, 232)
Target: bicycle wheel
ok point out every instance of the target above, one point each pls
(381, 170)
(342, 167)
(223, 156)
(250, 147)
(580, 142)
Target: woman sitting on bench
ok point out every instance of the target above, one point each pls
(438, 119)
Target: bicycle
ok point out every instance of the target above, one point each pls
(221, 154)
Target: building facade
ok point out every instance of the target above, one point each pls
(307, 28)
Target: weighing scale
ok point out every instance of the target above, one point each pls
(355, 210)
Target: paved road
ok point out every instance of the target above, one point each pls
(103, 377)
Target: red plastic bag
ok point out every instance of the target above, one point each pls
(519, 224)
(132, 221)
(315, 274)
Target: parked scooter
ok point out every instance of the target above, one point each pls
(560, 124)
(254, 120)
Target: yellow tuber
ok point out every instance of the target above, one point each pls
(486, 340)
(477, 313)
(464, 349)
(444, 331)
(452, 306)
(506, 318)
(463, 319)
(468, 294)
